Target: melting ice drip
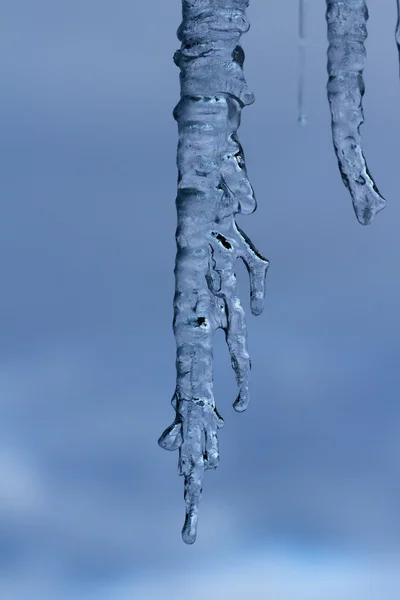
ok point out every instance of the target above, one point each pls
(213, 186)
(302, 119)
(347, 32)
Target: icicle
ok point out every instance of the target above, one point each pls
(347, 32)
(213, 186)
(398, 28)
(302, 119)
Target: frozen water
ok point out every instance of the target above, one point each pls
(347, 32)
(213, 186)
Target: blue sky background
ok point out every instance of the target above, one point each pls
(305, 503)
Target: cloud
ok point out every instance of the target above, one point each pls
(271, 575)
(21, 489)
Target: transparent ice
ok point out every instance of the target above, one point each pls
(213, 186)
(347, 32)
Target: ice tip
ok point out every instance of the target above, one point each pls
(302, 120)
(365, 213)
(241, 403)
(171, 439)
(256, 306)
(189, 531)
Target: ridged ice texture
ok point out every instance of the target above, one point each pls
(213, 186)
(347, 32)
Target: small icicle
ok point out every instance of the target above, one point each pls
(302, 119)
(398, 29)
(347, 32)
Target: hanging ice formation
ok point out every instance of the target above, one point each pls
(212, 187)
(302, 119)
(347, 32)
(398, 28)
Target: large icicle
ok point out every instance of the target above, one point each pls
(212, 187)
(347, 32)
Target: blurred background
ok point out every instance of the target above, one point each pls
(305, 502)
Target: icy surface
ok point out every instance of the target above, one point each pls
(347, 32)
(212, 187)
